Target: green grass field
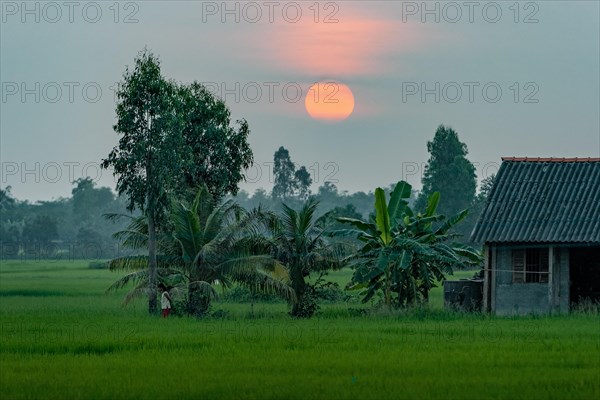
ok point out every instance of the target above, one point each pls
(63, 337)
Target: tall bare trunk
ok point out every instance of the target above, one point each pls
(152, 268)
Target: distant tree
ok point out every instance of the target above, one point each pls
(87, 199)
(303, 180)
(329, 220)
(478, 205)
(283, 174)
(6, 199)
(448, 172)
(289, 182)
(485, 189)
(42, 229)
(260, 196)
(328, 190)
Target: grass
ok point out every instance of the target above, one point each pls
(62, 337)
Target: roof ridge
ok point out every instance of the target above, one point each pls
(552, 159)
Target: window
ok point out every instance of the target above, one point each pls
(530, 265)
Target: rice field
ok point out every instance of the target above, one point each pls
(62, 336)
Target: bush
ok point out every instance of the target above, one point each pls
(241, 294)
(97, 265)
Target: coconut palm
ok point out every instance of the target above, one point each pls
(299, 245)
(208, 246)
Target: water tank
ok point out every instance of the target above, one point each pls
(464, 294)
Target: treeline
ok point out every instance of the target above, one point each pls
(67, 228)
(448, 171)
(76, 227)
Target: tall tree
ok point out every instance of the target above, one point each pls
(448, 172)
(147, 159)
(174, 138)
(217, 153)
(283, 173)
(303, 181)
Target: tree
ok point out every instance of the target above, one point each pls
(216, 152)
(209, 245)
(41, 230)
(283, 173)
(175, 137)
(448, 172)
(147, 160)
(303, 182)
(289, 182)
(479, 203)
(7, 201)
(299, 245)
(330, 221)
(404, 254)
(86, 198)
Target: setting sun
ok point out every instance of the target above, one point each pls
(330, 101)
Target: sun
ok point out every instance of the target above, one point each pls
(329, 101)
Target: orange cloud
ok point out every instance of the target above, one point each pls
(356, 45)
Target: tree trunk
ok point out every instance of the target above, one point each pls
(388, 288)
(152, 267)
(299, 287)
(198, 304)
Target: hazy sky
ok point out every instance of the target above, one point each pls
(514, 79)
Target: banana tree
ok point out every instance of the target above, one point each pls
(403, 255)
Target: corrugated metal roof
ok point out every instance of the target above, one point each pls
(543, 200)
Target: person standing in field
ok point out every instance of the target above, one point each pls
(165, 300)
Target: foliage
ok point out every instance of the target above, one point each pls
(450, 173)
(298, 244)
(289, 182)
(404, 254)
(209, 247)
(174, 137)
(216, 153)
(283, 173)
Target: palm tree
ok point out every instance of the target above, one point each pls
(208, 245)
(299, 245)
(404, 253)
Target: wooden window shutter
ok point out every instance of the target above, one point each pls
(518, 266)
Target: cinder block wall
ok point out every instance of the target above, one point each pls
(525, 298)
